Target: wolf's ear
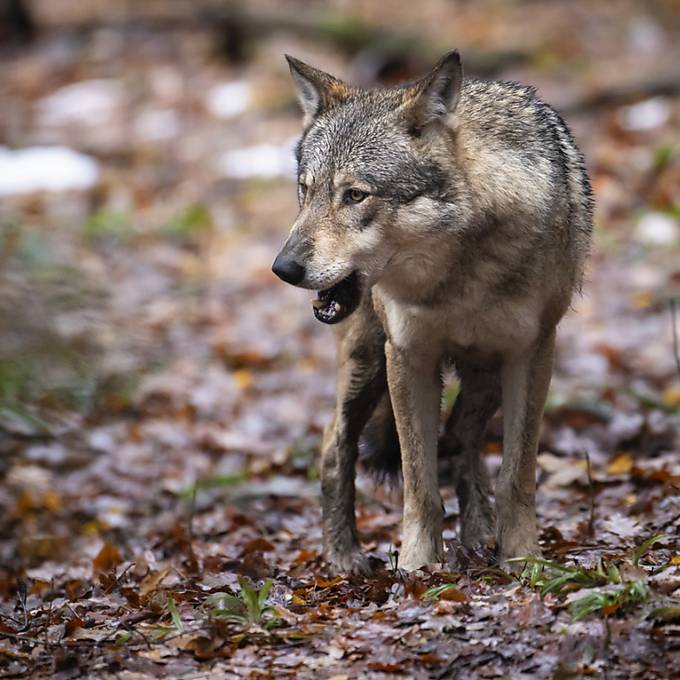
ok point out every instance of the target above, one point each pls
(437, 93)
(316, 91)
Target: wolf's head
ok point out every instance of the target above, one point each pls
(369, 181)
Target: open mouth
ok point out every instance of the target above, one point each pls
(338, 302)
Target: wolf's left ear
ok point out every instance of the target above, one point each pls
(316, 91)
(437, 93)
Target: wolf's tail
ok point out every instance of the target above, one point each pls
(379, 444)
(380, 453)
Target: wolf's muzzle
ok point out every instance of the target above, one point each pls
(338, 302)
(288, 270)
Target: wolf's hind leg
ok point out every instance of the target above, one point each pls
(361, 381)
(477, 402)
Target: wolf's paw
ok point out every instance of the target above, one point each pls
(478, 526)
(462, 558)
(352, 562)
(420, 553)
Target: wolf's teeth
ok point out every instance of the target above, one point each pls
(337, 307)
(317, 304)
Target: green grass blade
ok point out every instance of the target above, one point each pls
(264, 592)
(174, 614)
(644, 547)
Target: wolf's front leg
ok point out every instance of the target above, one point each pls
(414, 381)
(361, 382)
(525, 380)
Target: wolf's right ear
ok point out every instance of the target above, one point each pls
(316, 90)
(435, 95)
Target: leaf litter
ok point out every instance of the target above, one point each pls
(163, 398)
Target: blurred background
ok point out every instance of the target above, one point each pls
(146, 183)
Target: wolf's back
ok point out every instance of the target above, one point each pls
(528, 156)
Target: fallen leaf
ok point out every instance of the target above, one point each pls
(107, 559)
(563, 471)
(454, 595)
(671, 397)
(621, 465)
(257, 545)
(152, 581)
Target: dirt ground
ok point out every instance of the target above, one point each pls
(163, 396)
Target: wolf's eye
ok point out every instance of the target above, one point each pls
(354, 196)
(302, 188)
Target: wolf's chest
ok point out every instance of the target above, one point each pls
(484, 326)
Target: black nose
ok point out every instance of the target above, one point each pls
(288, 269)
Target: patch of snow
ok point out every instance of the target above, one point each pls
(227, 100)
(157, 125)
(622, 525)
(45, 168)
(624, 426)
(50, 454)
(88, 102)
(645, 115)
(657, 229)
(262, 160)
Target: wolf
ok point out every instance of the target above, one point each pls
(442, 221)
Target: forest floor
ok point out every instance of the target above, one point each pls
(163, 396)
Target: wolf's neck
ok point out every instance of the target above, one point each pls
(415, 273)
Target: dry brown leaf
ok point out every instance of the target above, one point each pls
(621, 465)
(453, 595)
(107, 559)
(152, 581)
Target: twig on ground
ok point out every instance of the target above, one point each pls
(21, 596)
(117, 579)
(192, 512)
(49, 618)
(591, 495)
(607, 638)
(674, 328)
(132, 630)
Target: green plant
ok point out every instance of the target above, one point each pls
(450, 395)
(161, 631)
(644, 548)
(557, 579)
(615, 592)
(174, 614)
(192, 220)
(108, 224)
(123, 637)
(629, 594)
(246, 608)
(447, 591)
(216, 482)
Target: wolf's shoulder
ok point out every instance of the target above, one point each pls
(506, 97)
(512, 113)
(506, 103)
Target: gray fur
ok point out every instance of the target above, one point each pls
(468, 245)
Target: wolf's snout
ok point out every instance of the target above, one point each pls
(288, 270)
